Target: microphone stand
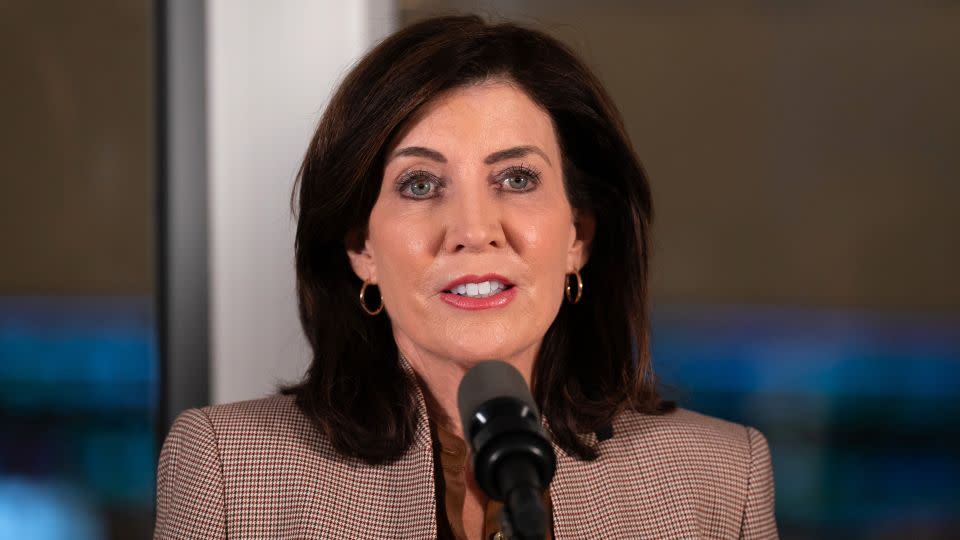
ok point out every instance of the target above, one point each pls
(524, 515)
(531, 504)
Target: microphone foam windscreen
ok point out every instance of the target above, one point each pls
(489, 380)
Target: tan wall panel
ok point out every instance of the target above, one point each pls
(76, 191)
(800, 154)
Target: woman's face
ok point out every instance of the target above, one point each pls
(472, 234)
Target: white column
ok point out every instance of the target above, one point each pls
(271, 67)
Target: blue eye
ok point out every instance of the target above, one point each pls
(518, 183)
(419, 185)
(420, 188)
(519, 179)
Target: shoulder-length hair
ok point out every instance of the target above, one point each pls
(594, 360)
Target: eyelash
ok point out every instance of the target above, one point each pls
(408, 179)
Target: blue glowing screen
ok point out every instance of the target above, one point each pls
(860, 409)
(78, 391)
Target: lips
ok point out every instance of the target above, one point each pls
(475, 280)
(472, 292)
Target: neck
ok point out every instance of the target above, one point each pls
(439, 378)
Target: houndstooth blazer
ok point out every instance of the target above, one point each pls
(259, 469)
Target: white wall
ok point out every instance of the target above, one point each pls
(271, 67)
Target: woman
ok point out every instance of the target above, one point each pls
(469, 194)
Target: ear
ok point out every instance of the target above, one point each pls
(360, 253)
(584, 224)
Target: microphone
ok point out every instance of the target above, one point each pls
(513, 461)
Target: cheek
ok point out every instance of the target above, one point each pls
(543, 238)
(402, 248)
(401, 244)
(542, 241)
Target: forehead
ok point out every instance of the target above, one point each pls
(481, 118)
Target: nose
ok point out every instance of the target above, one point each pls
(474, 223)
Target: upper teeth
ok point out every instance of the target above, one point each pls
(479, 290)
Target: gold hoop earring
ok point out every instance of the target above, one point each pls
(363, 304)
(570, 298)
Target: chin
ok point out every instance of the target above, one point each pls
(480, 350)
(471, 356)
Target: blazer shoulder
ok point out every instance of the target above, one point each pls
(729, 463)
(716, 455)
(190, 489)
(262, 424)
(688, 428)
(269, 413)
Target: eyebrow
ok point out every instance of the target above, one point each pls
(516, 152)
(509, 153)
(419, 151)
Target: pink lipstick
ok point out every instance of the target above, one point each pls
(472, 292)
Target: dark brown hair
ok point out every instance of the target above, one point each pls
(594, 359)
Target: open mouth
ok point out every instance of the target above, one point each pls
(481, 289)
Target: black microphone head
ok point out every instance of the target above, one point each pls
(489, 380)
(513, 461)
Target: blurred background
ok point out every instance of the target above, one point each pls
(806, 177)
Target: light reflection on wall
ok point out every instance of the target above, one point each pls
(45, 511)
